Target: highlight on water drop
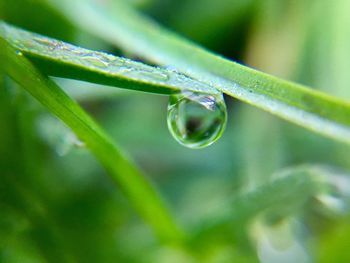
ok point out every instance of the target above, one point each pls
(196, 120)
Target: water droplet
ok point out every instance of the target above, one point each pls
(95, 59)
(196, 120)
(19, 53)
(137, 70)
(171, 68)
(51, 44)
(152, 75)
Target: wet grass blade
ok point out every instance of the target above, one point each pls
(138, 189)
(56, 58)
(126, 28)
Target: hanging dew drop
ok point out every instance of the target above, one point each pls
(196, 120)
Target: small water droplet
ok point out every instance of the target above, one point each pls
(51, 44)
(19, 53)
(171, 68)
(125, 70)
(154, 75)
(139, 71)
(95, 59)
(196, 120)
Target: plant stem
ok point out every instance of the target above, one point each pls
(136, 186)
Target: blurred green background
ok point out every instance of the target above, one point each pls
(57, 204)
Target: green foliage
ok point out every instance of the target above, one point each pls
(59, 59)
(125, 173)
(255, 196)
(121, 25)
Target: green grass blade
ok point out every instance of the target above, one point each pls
(286, 194)
(123, 26)
(135, 185)
(60, 59)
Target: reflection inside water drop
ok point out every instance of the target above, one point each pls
(196, 120)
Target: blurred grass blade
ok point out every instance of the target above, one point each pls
(119, 24)
(211, 19)
(137, 188)
(285, 195)
(60, 59)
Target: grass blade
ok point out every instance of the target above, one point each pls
(137, 188)
(286, 194)
(60, 59)
(125, 27)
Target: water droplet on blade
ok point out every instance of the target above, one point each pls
(45, 42)
(95, 60)
(196, 120)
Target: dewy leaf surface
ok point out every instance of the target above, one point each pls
(60, 59)
(118, 23)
